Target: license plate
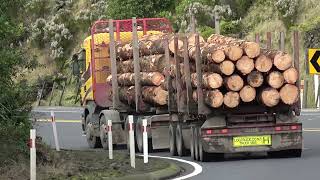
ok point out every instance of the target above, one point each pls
(243, 141)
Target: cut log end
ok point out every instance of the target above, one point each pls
(227, 67)
(214, 98)
(231, 99)
(291, 75)
(234, 83)
(255, 79)
(218, 56)
(251, 49)
(275, 79)
(233, 53)
(247, 93)
(289, 94)
(263, 63)
(245, 65)
(282, 61)
(155, 95)
(270, 97)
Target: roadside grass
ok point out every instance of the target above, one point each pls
(67, 164)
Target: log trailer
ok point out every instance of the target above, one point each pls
(185, 126)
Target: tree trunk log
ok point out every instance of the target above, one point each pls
(255, 79)
(213, 98)
(263, 63)
(275, 79)
(245, 65)
(152, 63)
(281, 60)
(209, 80)
(289, 94)
(251, 49)
(227, 67)
(148, 45)
(155, 95)
(247, 93)
(234, 83)
(291, 75)
(150, 94)
(233, 52)
(231, 99)
(270, 97)
(147, 79)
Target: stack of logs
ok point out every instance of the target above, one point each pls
(233, 71)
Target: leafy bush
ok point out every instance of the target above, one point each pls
(230, 27)
(288, 10)
(206, 31)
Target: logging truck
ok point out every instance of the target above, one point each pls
(203, 98)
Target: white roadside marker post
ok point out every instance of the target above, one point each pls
(110, 139)
(131, 141)
(33, 155)
(145, 141)
(55, 134)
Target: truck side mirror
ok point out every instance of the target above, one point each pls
(75, 65)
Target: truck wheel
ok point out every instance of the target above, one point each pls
(196, 143)
(285, 153)
(192, 152)
(93, 141)
(203, 156)
(139, 135)
(217, 156)
(104, 134)
(172, 140)
(181, 150)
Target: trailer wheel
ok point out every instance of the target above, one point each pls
(181, 150)
(104, 133)
(196, 143)
(203, 156)
(172, 140)
(285, 153)
(93, 141)
(139, 135)
(192, 151)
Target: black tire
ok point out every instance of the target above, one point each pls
(139, 135)
(216, 156)
(192, 152)
(104, 133)
(172, 140)
(290, 153)
(203, 156)
(196, 143)
(181, 150)
(93, 141)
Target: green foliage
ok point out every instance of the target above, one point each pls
(288, 10)
(206, 31)
(230, 27)
(126, 9)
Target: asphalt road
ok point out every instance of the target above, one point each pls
(253, 167)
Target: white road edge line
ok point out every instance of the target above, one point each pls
(197, 168)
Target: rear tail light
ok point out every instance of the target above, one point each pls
(278, 128)
(209, 132)
(293, 127)
(224, 131)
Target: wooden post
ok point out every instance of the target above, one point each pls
(257, 38)
(167, 74)
(177, 74)
(305, 94)
(199, 76)
(217, 22)
(62, 93)
(187, 74)
(41, 92)
(282, 41)
(269, 41)
(297, 66)
(115, 92)
(137, 84)
(52, 92)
